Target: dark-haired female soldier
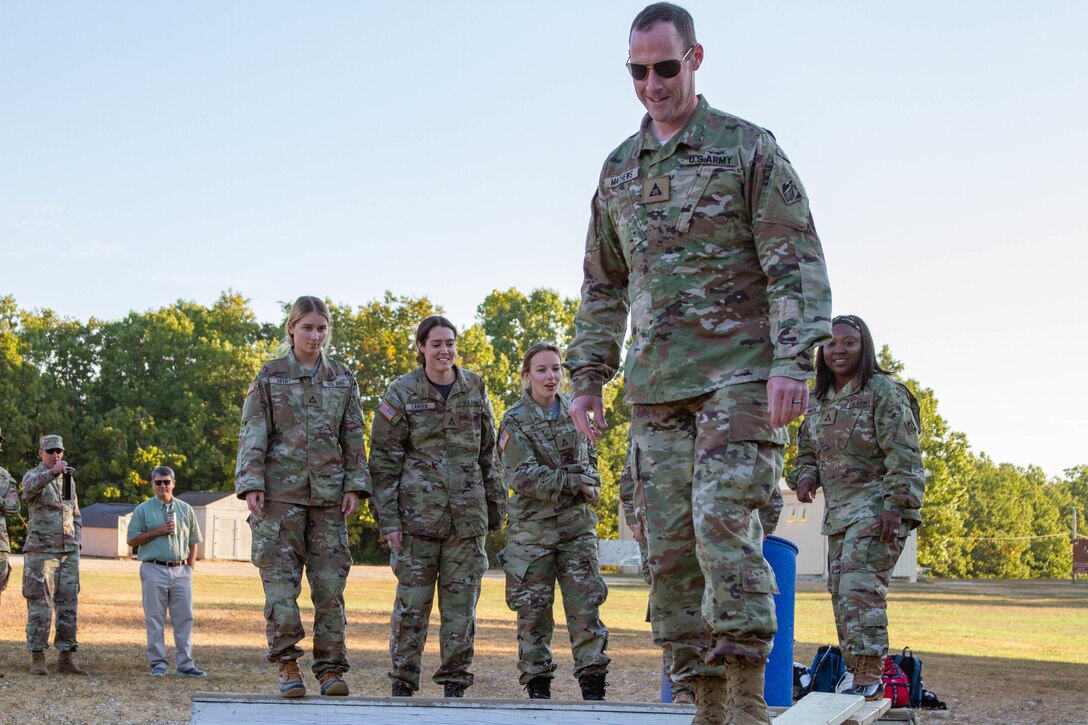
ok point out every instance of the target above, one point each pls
(432, 448)
(859, 442)
(552, 475)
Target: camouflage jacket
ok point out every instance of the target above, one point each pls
(861, 447)
(633, 497)
(709, 243)
(9, 505)
(545, 461)
(302, 438)
(54, 525)
(432, 461)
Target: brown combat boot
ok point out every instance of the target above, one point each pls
(868, 678)
(37, 662)
(66, 662)
(746, 703)
(710, 700)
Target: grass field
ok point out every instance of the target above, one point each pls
(996, 652)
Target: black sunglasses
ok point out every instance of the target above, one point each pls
(167, 482)
(663, 68)
(55, 450)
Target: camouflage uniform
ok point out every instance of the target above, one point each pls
(432, 464)
(708, 242)
(51, 561)
(552, 537)
(301, 443)
(861, 447)
(9, 506)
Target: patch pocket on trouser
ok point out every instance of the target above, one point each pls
(754, 453)
(759, 579)
(34, 588)
(264, 551)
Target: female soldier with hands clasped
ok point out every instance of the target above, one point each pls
(302, 470)
(432, 448)
(859, 442)
(552, 475)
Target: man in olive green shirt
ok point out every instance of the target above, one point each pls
(166, 530)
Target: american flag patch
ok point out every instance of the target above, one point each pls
(503, 440)
(251, 388)
(388, 411)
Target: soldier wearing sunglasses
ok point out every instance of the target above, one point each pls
(701, 231)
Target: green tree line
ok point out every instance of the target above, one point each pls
(165, 387)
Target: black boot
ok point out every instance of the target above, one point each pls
(540, 688)
(400, 689)
(592, 686)
(452, 690)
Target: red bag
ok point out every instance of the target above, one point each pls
(896, 684)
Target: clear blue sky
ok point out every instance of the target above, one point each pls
(156, 151)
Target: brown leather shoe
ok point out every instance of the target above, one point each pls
(333, 684)
(66, 662)
(291, 680)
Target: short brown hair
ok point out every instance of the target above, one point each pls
(675, 15)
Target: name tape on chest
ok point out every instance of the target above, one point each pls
(623, 178)
(284, 381)
(418, 407)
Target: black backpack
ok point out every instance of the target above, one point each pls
(827, 669)
(912, 668)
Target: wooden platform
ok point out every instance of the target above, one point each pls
(242, 709)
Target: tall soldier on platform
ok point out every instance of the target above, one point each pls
(701, 231)
(9, 506)
(51, 558)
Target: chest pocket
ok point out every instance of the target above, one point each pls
(335, 394)
(286, 396)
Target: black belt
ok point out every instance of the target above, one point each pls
(170, 564)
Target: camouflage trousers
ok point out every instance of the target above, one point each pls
(456, 566)
(5, 570)
(675, 688)
(859, 567)
(288, 538)
(534, 561)
(707, 464)
(51, 589)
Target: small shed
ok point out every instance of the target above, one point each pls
(220, 514)
(105, 530)
(222, 519)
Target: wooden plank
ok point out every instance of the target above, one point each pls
(821, 708)
(870, 712)
(247, 709)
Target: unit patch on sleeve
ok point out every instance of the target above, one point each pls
(790, 193)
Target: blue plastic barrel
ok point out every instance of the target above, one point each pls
(778, 686)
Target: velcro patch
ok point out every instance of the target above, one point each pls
(624, 177)
(790, 193)
(250, 389)
(414, 407)
(503, 440)
(337, 383)
(655, 189)
(828, 418)
(711, 158)
(388, 411)
(284, 381)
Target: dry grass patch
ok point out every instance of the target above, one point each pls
(997, 652)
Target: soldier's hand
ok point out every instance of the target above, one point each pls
(60, 467)
(806, 490)
(639, 533)
(889, 526)
(590, 493)
(349, 503)
(580, 409)
(786, 399)
(395, 540)
(255, 502)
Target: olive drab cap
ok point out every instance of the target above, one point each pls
(49, 442)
